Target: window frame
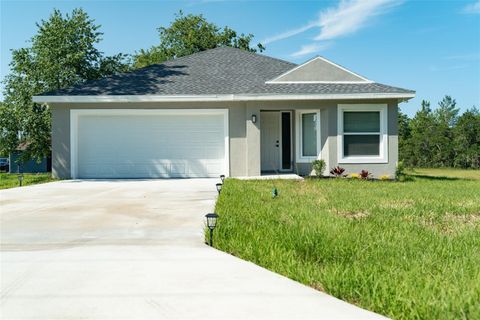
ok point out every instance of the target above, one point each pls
(299, 136)
(383, 133)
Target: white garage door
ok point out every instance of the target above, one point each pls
(149, 143)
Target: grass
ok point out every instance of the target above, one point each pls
(445, 173)
(10, 180)
(408, 250)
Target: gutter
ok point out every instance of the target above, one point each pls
(223, 97)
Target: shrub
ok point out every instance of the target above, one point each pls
(355, 176)
(400, 171)
(319, 166)
(385, 177)
(338, 172)
(364, 174)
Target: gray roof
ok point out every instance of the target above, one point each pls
(217, 71)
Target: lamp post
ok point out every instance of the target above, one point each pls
(219, 187)
(19, 174)
(211, 224)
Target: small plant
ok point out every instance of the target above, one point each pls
(355, 176)
(319, 166)
(385, 177)
(400, 171)
(364, 174)
(338, 172)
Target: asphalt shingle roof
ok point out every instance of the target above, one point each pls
(217, 71)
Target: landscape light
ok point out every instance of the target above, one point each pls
(219, 187)
(222, 177)
(20, 179)
(211, 224)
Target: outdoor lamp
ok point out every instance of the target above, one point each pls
(211, 224)
(254, 118)
(222, 177)
(219, 187)
(20, 178)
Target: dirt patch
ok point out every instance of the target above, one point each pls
(397, 204)
(353, 215)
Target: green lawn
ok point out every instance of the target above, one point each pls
(445, 172)
(408, 250)
(8, 180)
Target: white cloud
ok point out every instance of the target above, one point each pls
(309, 49)
(464, 57)
(472, 8)
(290, 33)
(348, 17)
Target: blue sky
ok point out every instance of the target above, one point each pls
(432, 47)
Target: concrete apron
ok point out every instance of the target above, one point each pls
(134, 250)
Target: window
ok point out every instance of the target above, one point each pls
(362, 133)
(308, 135)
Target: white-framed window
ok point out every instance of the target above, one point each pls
(308, 135)
(362, 133)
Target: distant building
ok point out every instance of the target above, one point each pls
(30, 166)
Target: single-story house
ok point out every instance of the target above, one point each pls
(224, 111)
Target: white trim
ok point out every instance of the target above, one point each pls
(313, 82)
(298, 136)
(383, 148)
(75, 113)
(224, 97)
(274, 80)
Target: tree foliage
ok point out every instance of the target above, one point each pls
(440, 137)
(189, 34)
(62, 54)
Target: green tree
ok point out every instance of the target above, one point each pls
(422, 138)
(62, 54)
(447, 111)
(189, 34)
(404, 137)
(466, 141)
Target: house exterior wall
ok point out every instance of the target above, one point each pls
(244, 135)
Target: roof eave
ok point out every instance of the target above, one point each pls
(222, 97)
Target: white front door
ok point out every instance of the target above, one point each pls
(270, 141)
(149, 143)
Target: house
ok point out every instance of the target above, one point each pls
(29, 166)
(224, 111)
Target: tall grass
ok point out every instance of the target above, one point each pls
(407, 250)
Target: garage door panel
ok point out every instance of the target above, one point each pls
(150, 146)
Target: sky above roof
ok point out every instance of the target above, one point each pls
(432, 47)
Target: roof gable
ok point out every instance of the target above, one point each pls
(319, 70)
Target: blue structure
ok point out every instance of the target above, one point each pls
(30, 166)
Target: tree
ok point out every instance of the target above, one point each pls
(404, 134)
(466, 141)
(62, 54)
(422, 136)
(189, 34)
(447, 112)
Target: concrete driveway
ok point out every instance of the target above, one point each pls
(134, 250)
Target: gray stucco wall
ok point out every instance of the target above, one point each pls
(244, 134)
(319, 70)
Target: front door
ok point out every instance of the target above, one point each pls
(270, 140)
(275, 140)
